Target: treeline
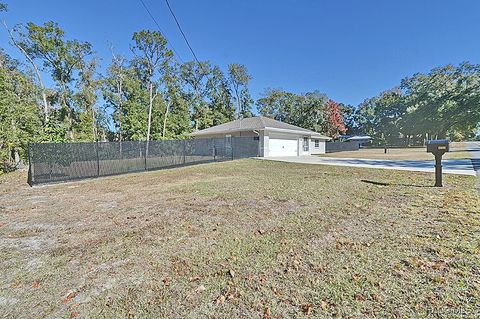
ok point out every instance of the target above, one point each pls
(444, 103)
(148, 95)
(312, 110)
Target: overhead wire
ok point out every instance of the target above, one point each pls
(160, 29)
(181, 31)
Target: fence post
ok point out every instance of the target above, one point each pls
(231, 146)
(30, 175)
(146, 154)
(184, 151)
(98, 159)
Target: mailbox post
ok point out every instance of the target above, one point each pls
(438, 148)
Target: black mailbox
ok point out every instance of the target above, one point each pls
(438, 148)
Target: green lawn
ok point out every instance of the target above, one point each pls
(242, 239)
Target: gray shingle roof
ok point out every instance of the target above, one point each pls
(253, 124)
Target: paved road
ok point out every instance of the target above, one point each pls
(474, 149)
(462, 167)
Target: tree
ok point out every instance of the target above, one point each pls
(239, 78)
(304, 110)
(309, 112)
(31, 60)
(220, 97)
(86, 102)
(350, 119)
(61, 57)
(134, 107)
(443, 101)
(195, 76)
(333, 124)
(113, 89)
(151, 58)
(277, 104)
(176, 118)
(20, 122)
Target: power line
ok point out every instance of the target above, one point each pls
(181, 31)
(160, 29)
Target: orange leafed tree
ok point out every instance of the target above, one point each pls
(333, 119)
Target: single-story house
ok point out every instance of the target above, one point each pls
(360, 139)
(275, 138)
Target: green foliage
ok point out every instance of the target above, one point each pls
(382, 116)
(195, 78)
(151, 54)
(442, 103)
(176, 118)
(239, 78)
(64, 59)
(147, 95)
(445, 100)
(85, 100)
(220, 97)
(277, 104)
(306, 110)
(20, 121)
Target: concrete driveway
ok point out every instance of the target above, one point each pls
(474, 149)
(462, 167)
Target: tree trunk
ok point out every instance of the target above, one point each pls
(167, 108)
(68, 109)
(239, 106)
(120, 137)
(149, 118)
(94, 125)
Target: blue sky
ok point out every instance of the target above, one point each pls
(349, 50)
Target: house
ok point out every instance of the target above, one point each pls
(360, 139)
(275, 138)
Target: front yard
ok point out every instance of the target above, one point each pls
(242, 239)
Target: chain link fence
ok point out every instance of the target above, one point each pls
(332, 147)
(58, 162)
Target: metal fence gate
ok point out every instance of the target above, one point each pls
(55, 162)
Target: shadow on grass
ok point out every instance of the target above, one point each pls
(393, 184)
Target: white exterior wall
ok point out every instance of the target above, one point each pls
(321, 146)
(265, 138)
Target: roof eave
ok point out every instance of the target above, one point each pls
(200, 133)
(299, 132)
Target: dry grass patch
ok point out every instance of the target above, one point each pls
(458, 150)
(245, 238)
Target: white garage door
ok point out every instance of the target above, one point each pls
(282, 147)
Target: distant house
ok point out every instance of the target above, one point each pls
(360, 139)
(275, 138)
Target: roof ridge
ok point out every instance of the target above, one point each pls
(262, 121)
